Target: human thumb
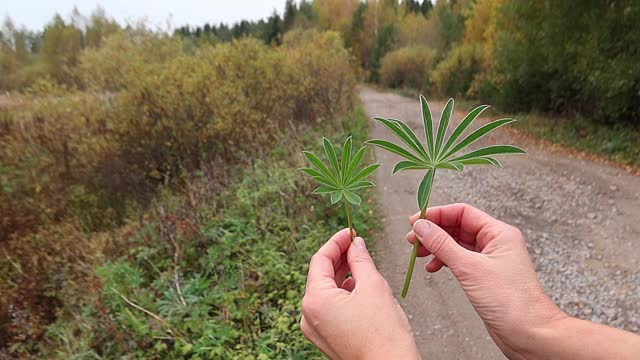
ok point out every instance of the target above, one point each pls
(440, 243)
(359, 260)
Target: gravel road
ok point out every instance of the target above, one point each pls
(581, 220)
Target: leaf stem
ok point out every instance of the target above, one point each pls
(347, 210)
(416, 246)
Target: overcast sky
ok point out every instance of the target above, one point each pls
(34, 14)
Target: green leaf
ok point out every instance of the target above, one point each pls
(314, 173)
(389, 146)
(491, 150)
(331, 155)
(361, 185)
(355, 162)
(424, 190)
(352, 198)
(323, 190)
(313, 159)
(443, 125)
(481, 161)
(464, 124)
(428, 124)
(398, 130)
(362, 174)
(346, 156)
(476, 135)
(450, 166)
(409, 165)
(324, 181)
(335, 197)
(418, 145)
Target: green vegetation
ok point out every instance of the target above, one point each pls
(341, 178)
(440, 153)
(618, 143)
(150, 202)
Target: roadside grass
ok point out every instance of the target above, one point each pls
(242, 272)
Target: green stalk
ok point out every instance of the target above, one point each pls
(416, 246)
(347, 210)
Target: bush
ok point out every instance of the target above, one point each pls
(454, 75)
(407, 67)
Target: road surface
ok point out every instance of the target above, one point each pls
(581, 219)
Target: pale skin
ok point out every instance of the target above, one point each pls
(358, 317)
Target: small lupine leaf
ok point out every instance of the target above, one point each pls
(335, 197)
(481, 161)
(346, 158)
(450, 165)
(352, 197)
(398, 130)
(362, 174)
(443, 125)
(464, 124)
(319, 165)
(409, 165)
(425, 189)
(331, 155)
(491, 150)
(324, 181)
(323, 190)
(428, 124)
(389, 146)
(475, 136)
(314, 173)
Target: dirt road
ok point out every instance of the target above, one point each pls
(581, 220)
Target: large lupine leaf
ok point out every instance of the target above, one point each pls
(409, 165)
(389, 146)
(425, 189)
(408, 138)
(443, 125)
(475, 136)
(428, 124)
(491, 150)
(481, 161)
(464, 124)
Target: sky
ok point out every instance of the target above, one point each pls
(35, 14)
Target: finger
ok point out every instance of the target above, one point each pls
(348, 284)
(434, 265)
(342, 269)
(322, 268)
(422, 251)
(462, 221)
(360, 262)
(440, 243)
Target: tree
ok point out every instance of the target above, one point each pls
(290, 14)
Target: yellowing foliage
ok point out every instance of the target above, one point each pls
(407, 67)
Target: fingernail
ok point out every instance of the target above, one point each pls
(421, 227)
(359, 243)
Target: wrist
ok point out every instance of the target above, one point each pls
(404, 348)
(537, 340)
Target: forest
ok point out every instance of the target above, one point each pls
(150, 202)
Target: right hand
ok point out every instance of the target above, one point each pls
(490, 260)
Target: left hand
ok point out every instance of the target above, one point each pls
(356, 317)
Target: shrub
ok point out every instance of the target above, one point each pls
(454, 75)
(408, 67)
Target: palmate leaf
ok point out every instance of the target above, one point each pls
(342, 176)
(438, 151)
